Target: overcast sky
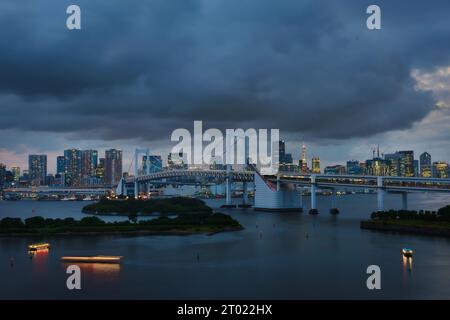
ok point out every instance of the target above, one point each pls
(140, 69)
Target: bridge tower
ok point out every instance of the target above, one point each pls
(137, 152)
(313, 209)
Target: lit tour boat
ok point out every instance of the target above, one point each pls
(407, 252)
(93, 259)
(38, 246)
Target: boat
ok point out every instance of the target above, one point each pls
(93, 259)
(407, 252)
(38, 246)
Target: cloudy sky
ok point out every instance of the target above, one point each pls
(140, 69)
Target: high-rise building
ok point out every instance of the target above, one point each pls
(113, 166)
(16, 173)
(2, 175)
(425, 165)
(37, 166)
(72, 167)
(353, 167)
(60, 164)
(100, 170)
(336, 169)
(393, 163)
(377, 167)
(89, 159)
(416, 168)
(177, 161)
(155, 164)
(406, 163)
(303, 162)
(282, 155)
(315, 165)
(440, 169)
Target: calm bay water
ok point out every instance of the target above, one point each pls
(277, 256)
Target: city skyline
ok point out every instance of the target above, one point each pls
(86, 163)
(328, 80)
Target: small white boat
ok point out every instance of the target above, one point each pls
(407, 252)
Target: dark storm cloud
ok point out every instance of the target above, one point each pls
(140, 69)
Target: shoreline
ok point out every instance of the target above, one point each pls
(173, 232)
(397, 227)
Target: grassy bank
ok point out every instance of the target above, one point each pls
(409, 221)
(183, 224)
(175, 205)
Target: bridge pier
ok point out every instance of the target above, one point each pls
(245, 203)
(333, 209)
(380, 194)
(404, 200)
(228, 203)
(313, 209)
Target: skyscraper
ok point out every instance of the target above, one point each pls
(89, 159)
(353, 167)
(281, 149)
(425, 164)
(377, 167)
(440, 169)
(16, 173)
(72, 167)
(2, 175)
(315, 165)
(406, 163)
(303, 164)
(393, 162)
(37, 166)
(60, 164)
(113, 166)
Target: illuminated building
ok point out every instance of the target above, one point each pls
(177, 161)
(393, 162)
(100, 170)
(37, 166)
(425, 165)
(289, 167)
(89, 159)
(406, 163)
(72, 167)
(377, 167)
(16, 173)
(336, 169)
(440, 169)
(60, 164)
(315, 165)
(303, 162)
(353, 167)
(113, 166)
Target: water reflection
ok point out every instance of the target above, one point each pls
(39, 257)
(108, 270)
(407, 263)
